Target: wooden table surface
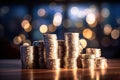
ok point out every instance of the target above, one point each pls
(11, 70)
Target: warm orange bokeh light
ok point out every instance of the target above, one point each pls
(115, 34)
(52, 28)
(107, 29)
(87, 33)
(43, 28)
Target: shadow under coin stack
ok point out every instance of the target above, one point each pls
(72, 50)
(40, 51)
(51, 46)
(29, 57)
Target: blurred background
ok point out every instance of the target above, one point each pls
(97, 21)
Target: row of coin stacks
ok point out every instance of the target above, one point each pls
(51, 53)
(92, 59)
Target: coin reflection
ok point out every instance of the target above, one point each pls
(97, 76)
(31, 75)
(92, 74)
(75, 77)
(27, 75)
(57, 74)
(103, 72)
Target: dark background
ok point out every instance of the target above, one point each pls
(12, 13)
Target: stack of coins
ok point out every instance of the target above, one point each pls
(51, 46)
(101, 62)
(72, 49)
(95, 51)
(86, 61)
(40, 50)
(92, 59)
(29, 57)
(61, 52)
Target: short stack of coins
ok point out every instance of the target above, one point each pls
(72, 50)
(100, 62)
(40, 50)
(29, 57)
(61, 52)
(95, 51)
(86, 61)
(51, 46)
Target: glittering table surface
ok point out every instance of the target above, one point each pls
(11, 70)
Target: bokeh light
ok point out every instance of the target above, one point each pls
(74, 10)
(24, 22)
(67, 23)
(118, 20)
(105, 12)
(115, 34)
(91, 18)
(107, 29)
(17, 40)
(81, 14)
(52, 28)
(79, 24)
(28, 28)
(22, 36)
(43, 28)
(26, 25)
(57, 20)
(4, 10)
(52, 5)
(83, 43)
(87, 33)
(41, 12)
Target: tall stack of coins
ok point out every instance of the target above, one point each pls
(72, 49)
(51, 46)
(29, 57)
(40, 50)
(61, 52)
